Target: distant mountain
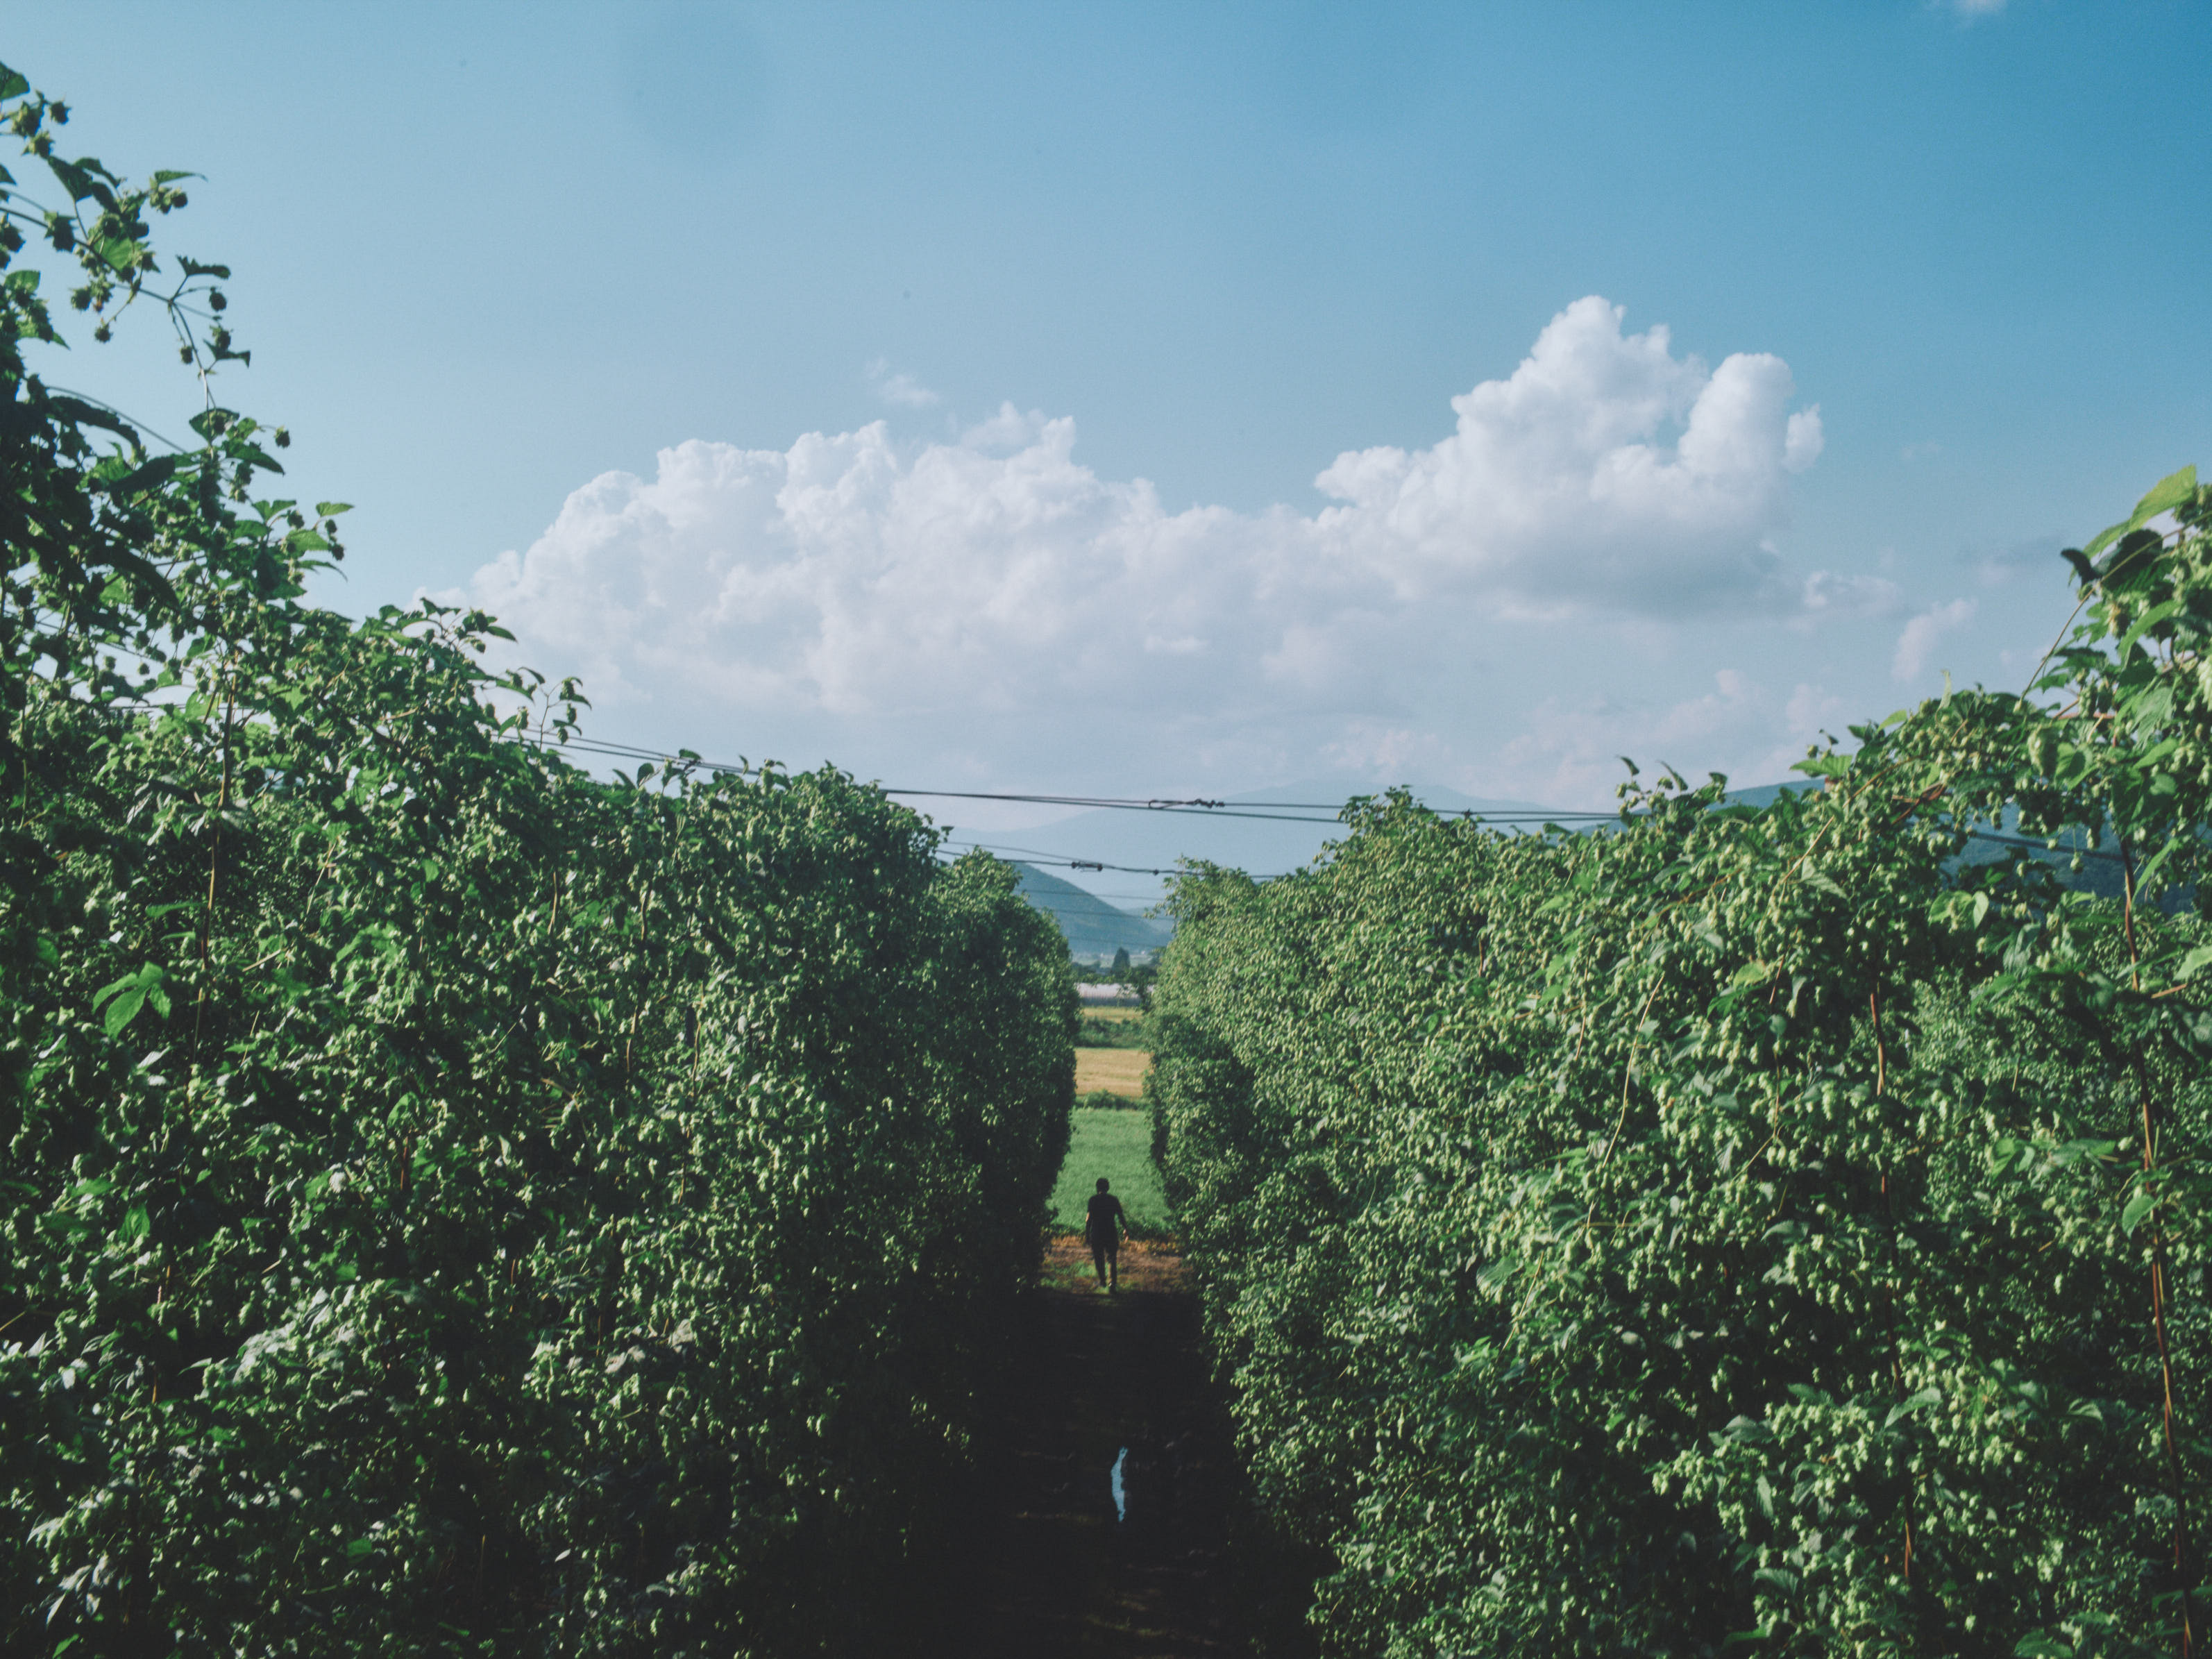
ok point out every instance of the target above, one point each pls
(1767, 793)
(1093, 927)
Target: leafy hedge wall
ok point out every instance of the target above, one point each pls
(448, 1202)
(1745, 1229)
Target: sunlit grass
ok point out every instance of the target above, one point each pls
(1117, 1145)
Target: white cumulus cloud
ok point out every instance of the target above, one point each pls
(994, 577)
(1605, 473)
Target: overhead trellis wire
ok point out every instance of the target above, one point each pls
(1188, 806)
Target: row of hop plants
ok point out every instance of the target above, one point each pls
(1755, 1228)
(449, 1202)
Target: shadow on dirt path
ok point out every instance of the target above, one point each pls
(1057, 1571)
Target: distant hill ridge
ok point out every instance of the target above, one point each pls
(1093, 926)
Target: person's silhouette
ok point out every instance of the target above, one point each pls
(1104, 1222)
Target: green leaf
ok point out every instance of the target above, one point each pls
(2138, 1206)
(85, 414)
(332, 509)
(2152, 710)
(2073, 1151)
(1911, 1403)
(124, 1008)
(84, 180)
(127, 995)
(2164, 496)
(12, 85)
(158, 471)
(2149, 619)
(2147, 878)
(212, 423)
(136, 1223)
(2166, 493)
(119, 253)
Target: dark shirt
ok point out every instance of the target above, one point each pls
(1103, 1211)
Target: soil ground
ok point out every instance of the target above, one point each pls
(1056, 1571)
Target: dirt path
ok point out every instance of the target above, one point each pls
(1057, 1571)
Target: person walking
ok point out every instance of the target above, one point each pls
(1104, 1222)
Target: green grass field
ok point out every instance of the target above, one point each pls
(1118, 1146)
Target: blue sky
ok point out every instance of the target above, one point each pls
(576, 284)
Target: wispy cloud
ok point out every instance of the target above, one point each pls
(1573, 750)
(1825, 596)
(1921, 635)
(901, 391)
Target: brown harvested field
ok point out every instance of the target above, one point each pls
(1092, 1011)
(1121, 1070)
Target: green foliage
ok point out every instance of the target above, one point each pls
(1106, 1100)
(449, 1201)
(1748, 1226)
(1096, 1033)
